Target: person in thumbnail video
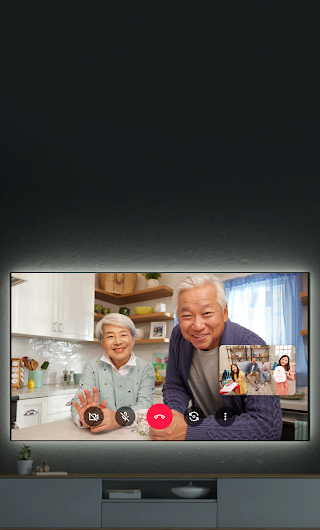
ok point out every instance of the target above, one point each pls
(252, 373)
(193, 373)
(263, 370)
(116, 379)
(282, 388)
(238, 377)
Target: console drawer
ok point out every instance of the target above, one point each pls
(149, 514)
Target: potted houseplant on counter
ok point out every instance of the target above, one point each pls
(152, 278)
(24, 461)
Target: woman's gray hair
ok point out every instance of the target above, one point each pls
(118, 320)
(200, 280)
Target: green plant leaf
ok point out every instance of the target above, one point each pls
(151, 275)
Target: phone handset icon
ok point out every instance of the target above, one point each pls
(159, 415)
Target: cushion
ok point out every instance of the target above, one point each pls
(243, 366)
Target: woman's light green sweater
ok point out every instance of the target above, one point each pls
(135, 389)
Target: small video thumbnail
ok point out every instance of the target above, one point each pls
(268, 370)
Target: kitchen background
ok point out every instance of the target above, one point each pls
(73, 355)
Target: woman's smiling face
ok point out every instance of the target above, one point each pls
(284, 360)
(117, 343)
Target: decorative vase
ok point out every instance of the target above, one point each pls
(25, 467)
(124, 311)
(140, 333)
(152, 283)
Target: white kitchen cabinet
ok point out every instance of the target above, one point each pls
(47, 410)
(59, 407)
(31, 412)
(76, 304)
(34, 305)
(56, 305)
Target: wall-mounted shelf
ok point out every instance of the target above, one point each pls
(140, 319)
(304, 297)
(162, 291)
(304, 332)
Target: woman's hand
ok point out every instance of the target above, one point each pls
(109, 420)
(87, 402)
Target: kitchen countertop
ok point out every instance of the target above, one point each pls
(45, 391)
(53, 390)
(295, 404)
(67, 430)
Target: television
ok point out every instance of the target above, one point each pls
(273, 306)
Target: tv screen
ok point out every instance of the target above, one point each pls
(149, 357)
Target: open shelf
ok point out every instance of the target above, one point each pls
(158, 490)
(139, 319)
(162, 291)
(304, 297)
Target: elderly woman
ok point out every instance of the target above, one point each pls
(116, 379)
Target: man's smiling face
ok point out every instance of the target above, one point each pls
(201, 318)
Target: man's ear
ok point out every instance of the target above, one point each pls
(225, 314)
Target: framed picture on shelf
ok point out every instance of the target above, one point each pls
(158, 330)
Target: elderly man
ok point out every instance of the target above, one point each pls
(192, 370)
(263, 369)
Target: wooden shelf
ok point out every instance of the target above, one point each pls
(139, 319)
(246, 347)
(304, 332)
(304, 298)
(162, 291)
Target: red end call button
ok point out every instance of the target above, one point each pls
(159, 416)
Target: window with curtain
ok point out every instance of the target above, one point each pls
(270, 305)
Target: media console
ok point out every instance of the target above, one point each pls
(80, 502)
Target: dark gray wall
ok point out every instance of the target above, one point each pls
(98, 181)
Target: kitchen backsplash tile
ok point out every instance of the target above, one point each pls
(66, 355)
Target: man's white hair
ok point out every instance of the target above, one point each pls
(200, 280)
(118, 320)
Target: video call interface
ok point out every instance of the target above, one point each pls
(181, 357)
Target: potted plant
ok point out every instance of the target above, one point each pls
(24, 461)
(152, 278)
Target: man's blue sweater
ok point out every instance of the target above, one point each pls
(257, 417)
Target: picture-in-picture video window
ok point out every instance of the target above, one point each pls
(156, 357)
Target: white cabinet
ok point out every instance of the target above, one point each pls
(76, 306)
(56, 305)
(31, 412)
(34, 305)
(59, 407)
(37, 411)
